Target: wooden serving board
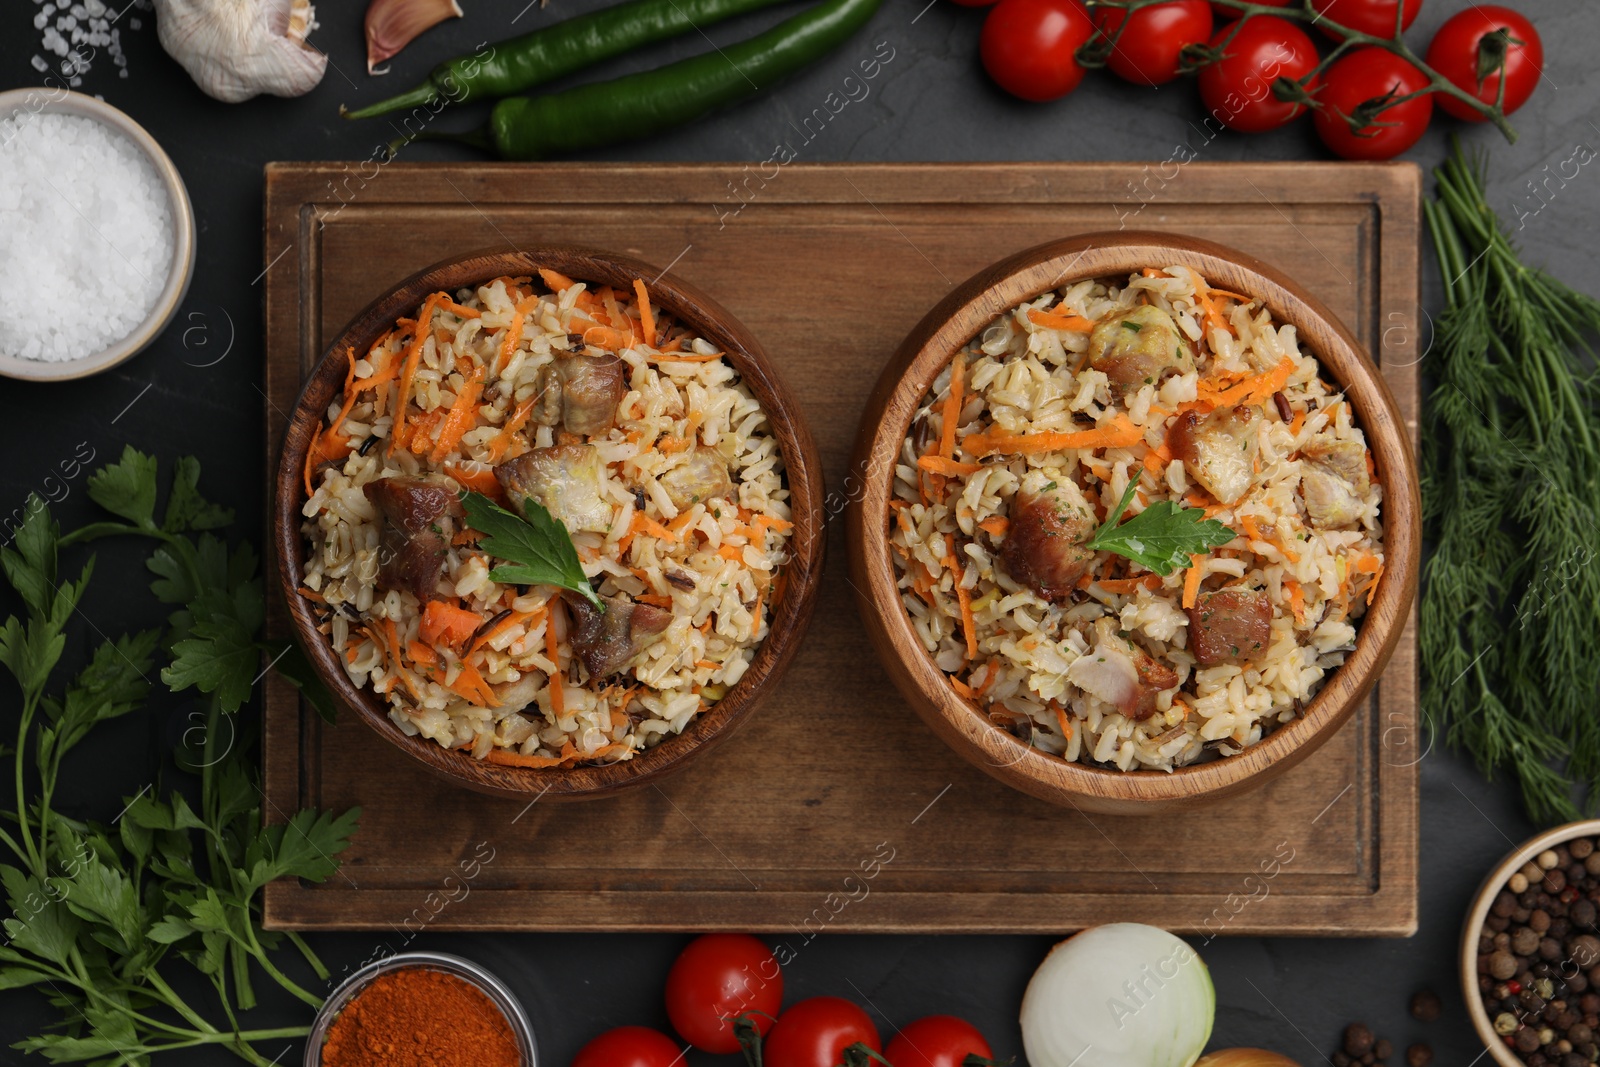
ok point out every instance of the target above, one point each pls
(835, 808)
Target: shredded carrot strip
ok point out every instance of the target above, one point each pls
(991, 671)
(1299, 421)
(327, 447)
(1191, 581)
(419, 337)
(421, 653)
(1061, 712)
(647, 317)
(774, 522)
(508, 432)
(1372, 590)
(959, 686)
(654, 599)
(557, 281)
(1053, 321)
(948, 467)
(1372, 466)
(1128, 585)
(643, 523)
(1120, 434)
(1251, 530)
(497, 629)
(668, 355)
(952, 409)
(470, 686)
(1203, 296)
(1151, 272)
(558, 695)
(996, 525)
(459, 310)
(447, 624)
(1297, 599)
(969, 625)
(388, 372)
(391, 639)
(312, 594)
(478, 481)
(463, 413)
(1369, 564)
(606, 337)
(1257, 389)
(513, 336)
(733, 552)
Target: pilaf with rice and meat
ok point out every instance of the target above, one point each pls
(639, 438)
(1033, 433)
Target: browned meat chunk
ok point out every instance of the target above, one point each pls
(702, 476)
(581, 393)
(1333, 481)
(1119, 672)
(1043, 549)
(1230, 626)
(565, 479)
(1154, 676)
(1138, 347)
(411, 551)
(1219, 451)
(607, 642)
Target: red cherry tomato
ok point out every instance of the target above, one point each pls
(1368, 16)
(1237, 89)
(1030, 47)
(1459, 44)
(1148, 50)
(815, 1032)
(629, 1046)
(937, 1041)
(1358, 83)
(717, 978)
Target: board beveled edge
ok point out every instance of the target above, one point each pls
(1390, 909)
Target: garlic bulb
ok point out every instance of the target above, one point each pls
(393, 24)
(1245, 1057)
(236, 49)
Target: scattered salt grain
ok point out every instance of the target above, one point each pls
(88, 227)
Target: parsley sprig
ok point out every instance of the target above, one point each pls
(102, 913)
(1160, 538)
(536, 545)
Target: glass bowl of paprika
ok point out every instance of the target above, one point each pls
(421, 1009)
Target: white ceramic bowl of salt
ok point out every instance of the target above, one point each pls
(107, 210)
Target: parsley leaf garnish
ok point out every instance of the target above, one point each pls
(1162, 536)
(536, 545)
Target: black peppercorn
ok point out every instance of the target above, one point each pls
(1426, 1006)
(1419, 1056)
(1357, 1039)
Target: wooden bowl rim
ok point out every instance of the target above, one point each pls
(802, 476)
(931, 346)
(1472, 925)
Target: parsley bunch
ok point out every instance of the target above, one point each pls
(103, 913)
(1511, 503)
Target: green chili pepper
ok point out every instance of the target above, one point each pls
(641, 104)
(544, 55)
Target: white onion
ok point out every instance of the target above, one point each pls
(1122, 995)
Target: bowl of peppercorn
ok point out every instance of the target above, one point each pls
(1530, 952)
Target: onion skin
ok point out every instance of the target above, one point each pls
(1245, 1057)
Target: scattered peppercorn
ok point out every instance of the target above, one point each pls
(1357, 1040)
(1419, 1055)
(1426, 1006)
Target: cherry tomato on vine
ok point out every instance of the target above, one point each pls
(717, 978)
(1368, 16)
(1148, 49)
(1467, 50)
(1357, 85)
(816, 1032)
(1238, 88)
(937, 1041)
(629, 1046)
(1030, 47)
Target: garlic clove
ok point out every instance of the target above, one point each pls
(393, 24)
(237, 49)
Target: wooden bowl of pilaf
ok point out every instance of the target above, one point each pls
(559, 541)
(1140, 524)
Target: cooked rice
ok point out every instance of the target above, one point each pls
(726, 559)
(1026, 376)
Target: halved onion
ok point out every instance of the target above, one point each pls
(1121, 995)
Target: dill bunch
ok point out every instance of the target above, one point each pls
(1510, 615)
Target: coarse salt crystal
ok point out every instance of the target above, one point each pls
(87, 215)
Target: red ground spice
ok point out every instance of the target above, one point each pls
(419, 1017)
